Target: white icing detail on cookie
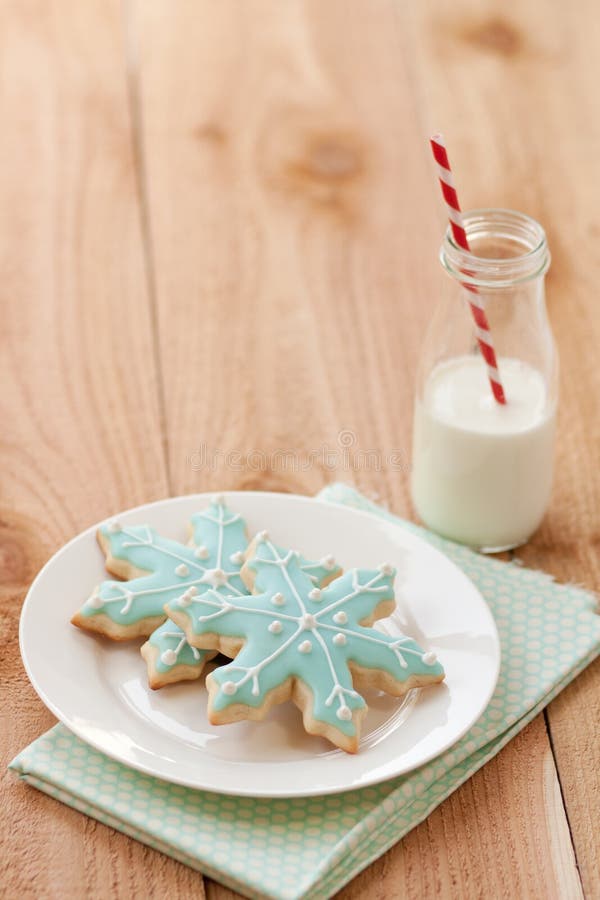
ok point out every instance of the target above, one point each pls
(262, 536)
(275, 627)
(186, 597)
(128, 597)
(201, 552)
(308, 621)
(215, 577)
(305, 647)
(429, 658)
(340, 617)
(315, 594)
(224, 607)
(344, 713)
(278, 599)
(219, 500)
(341, 693)
(237, 558)
(328, 563)
(138, 540)
(95, 601)
(113, 527)
(229, 688)
(387, 569)
(169, 657)
(339, 639)
(182, 570)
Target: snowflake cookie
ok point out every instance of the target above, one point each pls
(156, 570)
(169, 655)
(292, 640)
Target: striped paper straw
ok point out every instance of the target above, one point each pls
(482, 328)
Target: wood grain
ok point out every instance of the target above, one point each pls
(80, 409)
(481, 842)
(271, 163)
(218, 225)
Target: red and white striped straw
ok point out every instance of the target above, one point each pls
(482, 328)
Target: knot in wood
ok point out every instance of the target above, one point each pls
(333, 158)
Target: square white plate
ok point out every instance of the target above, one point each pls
(98, 688)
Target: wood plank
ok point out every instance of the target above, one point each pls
(271, 190)
(493, 848)
(532, 80)
(81, 435)
(293, 209)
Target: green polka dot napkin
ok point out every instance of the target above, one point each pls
(311, 847)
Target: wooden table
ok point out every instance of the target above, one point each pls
(218, 230)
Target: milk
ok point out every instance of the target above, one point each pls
(482, 472)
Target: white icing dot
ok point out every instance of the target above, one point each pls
(182, 570)
(113, 527)
(387, 569)
(229, 688)
(305, 647)
(219, 500)
(315, 594)
(328, 562)
(344, 713)
(215, 577)
(275, 627)
(340, 618)
(201, 552)
(95, 601)
(429, 658)
(262, 536)
(309, 621)
(339, 639)
(192, 591)
(184, 600)
(237, 558)
(278, 599)
(168, 657)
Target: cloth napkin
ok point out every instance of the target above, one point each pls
(311, 847)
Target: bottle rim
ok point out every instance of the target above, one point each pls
(490, 272)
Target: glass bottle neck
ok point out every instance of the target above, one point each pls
(507, 249)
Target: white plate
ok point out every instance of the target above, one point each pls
(98, 688)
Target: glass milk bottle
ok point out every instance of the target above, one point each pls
(482, 471)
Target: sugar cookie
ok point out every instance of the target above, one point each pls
(157, 569)
(314, 645)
